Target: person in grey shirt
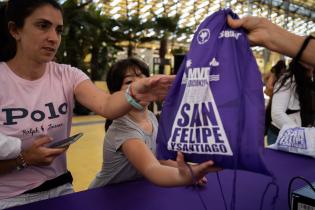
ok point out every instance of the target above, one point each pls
(116, 166)
(129, 145)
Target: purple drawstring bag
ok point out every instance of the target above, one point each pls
(215, 108)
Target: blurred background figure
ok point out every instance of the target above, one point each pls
(276, 71)
(293, 100)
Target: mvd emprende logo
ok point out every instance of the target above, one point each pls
(198, 126)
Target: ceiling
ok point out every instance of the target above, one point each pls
(297, 16)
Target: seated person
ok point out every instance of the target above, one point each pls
(129, 145)
(275, 73)
(293, 100)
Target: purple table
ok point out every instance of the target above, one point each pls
(141, 195)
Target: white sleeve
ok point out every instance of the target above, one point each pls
(279, 105)
(10, 147)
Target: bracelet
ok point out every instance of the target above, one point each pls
(131, 100)
(193, 177)
(304, 45)
(20, 162)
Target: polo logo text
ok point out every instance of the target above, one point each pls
(13, 114)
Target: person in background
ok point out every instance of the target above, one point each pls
(293, 100)
(36, 107)
(276, 71)
(130, 142)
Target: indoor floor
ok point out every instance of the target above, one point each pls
(85, 155)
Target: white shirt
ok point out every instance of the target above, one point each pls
(10, 147)
(285, 98)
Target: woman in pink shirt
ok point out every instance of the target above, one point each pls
(37, 99)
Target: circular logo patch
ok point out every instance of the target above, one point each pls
(203, 36)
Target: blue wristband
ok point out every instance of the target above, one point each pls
(132, 101)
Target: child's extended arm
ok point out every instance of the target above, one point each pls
(201, 182)
(146, 163)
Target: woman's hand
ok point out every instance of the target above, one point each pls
(153, 88)
(263, 32)
(40, 155)
(259, 30)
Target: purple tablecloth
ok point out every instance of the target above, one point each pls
(142, 195)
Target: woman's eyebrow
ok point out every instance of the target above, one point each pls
(43, 20)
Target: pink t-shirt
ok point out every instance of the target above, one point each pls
(32, 108)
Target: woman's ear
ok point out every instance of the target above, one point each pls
(13, 30)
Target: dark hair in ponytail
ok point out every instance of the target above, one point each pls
(17, 11)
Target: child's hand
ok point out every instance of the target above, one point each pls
(202, 182)
(198, 170)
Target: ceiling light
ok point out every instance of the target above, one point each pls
(115, 10)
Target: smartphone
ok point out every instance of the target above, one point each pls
(65, 142)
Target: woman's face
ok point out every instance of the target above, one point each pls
(131, 75)
(40, 37)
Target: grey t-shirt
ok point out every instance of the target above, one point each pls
(116, 167)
